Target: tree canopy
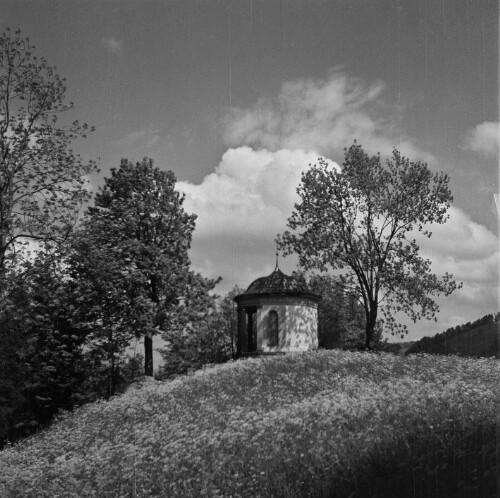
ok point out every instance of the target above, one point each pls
(42, 181)
(68, 316)
(360, 221)
(42, 364)
(42, 188)
(131, 260)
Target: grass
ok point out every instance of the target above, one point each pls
(328, 423)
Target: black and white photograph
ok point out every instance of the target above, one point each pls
(249, 248)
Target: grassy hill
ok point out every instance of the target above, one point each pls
(328, 423)
(480, 341)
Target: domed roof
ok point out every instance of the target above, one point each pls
(276, 282)
(279, 283)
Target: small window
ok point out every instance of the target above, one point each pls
(272, 329)
(251, 329)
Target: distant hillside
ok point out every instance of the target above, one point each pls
(403, 347)
(480, 339)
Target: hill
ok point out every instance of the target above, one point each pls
(404, 346)
(479, 339)
(327, 423)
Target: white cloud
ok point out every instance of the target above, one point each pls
(250, 193)
(143, 139)
(241, 207)
(460, 238)
(484, 138)
(247, 200)
(322, 115)
(470, 252)
(114, 45)
(245, 203)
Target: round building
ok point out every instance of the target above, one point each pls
(277, 314)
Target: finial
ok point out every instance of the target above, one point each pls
(277, 254)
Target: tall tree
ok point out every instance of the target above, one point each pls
(361, 221)
(41, 178)
(131, 255)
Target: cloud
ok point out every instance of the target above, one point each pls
(461, 239)
(250, 191)
(142, 139)
(241, 207)
(247, 200)
(114, 45)
(470, 252)
(324, 115)
(484, 138)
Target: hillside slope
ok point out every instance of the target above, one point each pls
(482, 341)
(328, 423)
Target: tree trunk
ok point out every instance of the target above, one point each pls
(371, 320)
(111, 385)
(148, 355)
(148, 338)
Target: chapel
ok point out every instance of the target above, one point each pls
(277, 314)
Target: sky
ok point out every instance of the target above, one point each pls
(237, 98)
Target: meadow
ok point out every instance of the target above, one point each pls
(326, 423)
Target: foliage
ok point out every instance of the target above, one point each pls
(360, 220)
(485, 320)
(42, 361)
(341, 320)
(41, 178)
(100, 288)
(127, 368)
(42, 187)
(479, 338)
(328, 423)
(130, 259)
(227, 310)
(207, 335)
(131, 369)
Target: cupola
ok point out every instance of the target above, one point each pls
(276, 314)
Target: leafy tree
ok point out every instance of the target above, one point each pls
(42, 186)
(131, 260)
(41, 178)
(13, 338)
(42, 357)
(360, 220)
(102, 288)
(202, 333)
